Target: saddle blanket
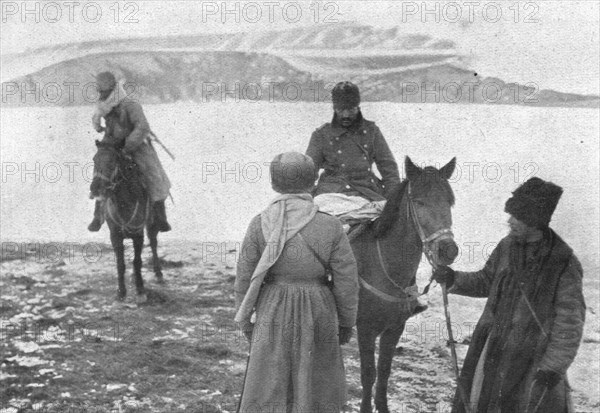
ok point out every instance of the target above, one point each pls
(349, 208)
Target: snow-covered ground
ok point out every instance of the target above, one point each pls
(220, 177)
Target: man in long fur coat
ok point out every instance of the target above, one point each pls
(532, 324)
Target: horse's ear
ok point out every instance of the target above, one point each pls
(448, 169)
(412, 170)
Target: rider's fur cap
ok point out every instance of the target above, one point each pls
(534, 202)
(293, 172)
(345, 95)
(106, 81)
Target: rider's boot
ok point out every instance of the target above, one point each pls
(160, 215)
(96, 224)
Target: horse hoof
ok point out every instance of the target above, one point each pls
(419, 309)
(141, 299)
(121, 296)
(382, 409)
(159, 279)
(366, 407)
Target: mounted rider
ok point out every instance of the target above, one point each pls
(126, 129)
(346, 149)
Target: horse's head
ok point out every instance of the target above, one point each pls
(430, 200)
(426, 198)
(115, 172)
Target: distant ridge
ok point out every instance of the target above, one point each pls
(299, 64)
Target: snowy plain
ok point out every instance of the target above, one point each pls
(220, 175)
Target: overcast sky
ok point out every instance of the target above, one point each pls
(552, 43)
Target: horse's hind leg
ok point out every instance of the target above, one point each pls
(138, 245)
(366, 346)
(387, 346)
(117, 243)
(152, 235)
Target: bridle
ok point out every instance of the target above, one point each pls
(112, 180)
(432, 239)
(116, 178)
(427, 242)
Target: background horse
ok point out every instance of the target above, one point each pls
(416, 219)
(127, 211)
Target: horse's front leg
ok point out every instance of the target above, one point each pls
(152, 235)
(138, 246)
(366, 346)
(116, 239)
(387, 346)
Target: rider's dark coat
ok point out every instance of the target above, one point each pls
(126, 126)
(549, 275)
(347, 156)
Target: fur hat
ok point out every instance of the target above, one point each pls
(106, 81)
(534, 202)
(293, 172)
(345, 95)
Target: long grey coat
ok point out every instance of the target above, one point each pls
(295, 359)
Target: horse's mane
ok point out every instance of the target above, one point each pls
(391, 211)
(425, 182)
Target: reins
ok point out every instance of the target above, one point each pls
(431, 255)
(113, 209)
(127, 226)
(426, 242)
(432, 258)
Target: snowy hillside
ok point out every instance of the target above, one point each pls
(300, 64)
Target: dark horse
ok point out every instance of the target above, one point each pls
(127, 211)
(416, 219)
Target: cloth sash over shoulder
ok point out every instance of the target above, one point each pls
(285, 216)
